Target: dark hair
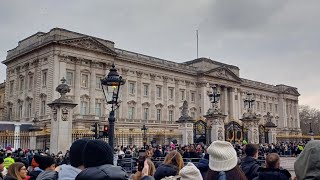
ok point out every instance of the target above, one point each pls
(272, 160)
(235, 174)
(251, 149)
(9, 154)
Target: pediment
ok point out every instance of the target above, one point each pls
(223, 73)
(88, 43)
(292, 91)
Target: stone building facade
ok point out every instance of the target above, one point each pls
(153, 94)
(2, 100)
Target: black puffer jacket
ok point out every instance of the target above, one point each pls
(165, 170)
(8, 177)
(104, 172)
(203, 166)
(274, 174)
(250, 167)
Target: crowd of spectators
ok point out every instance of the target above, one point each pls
(94, 159)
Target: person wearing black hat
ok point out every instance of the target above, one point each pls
(47, 164)
(35, 163)
(98, 161)
(69, 172)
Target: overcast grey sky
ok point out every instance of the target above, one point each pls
(272, 41)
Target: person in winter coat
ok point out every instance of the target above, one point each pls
(47, 164)
(203, 165)
(272, 170)
(307, 164)
(70, 172)
(171, 166)
(16, 171)
(223, 162)
(98, 161)
(249, 164)
(35, 167)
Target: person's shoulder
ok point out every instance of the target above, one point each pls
(285, 172)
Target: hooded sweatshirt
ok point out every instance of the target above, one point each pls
(48, 175)
(68, 172)
(307, 164)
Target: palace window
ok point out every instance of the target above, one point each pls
(158, 114)
(21, 84)
(44, 77)
(146, 113)
(193, 115)
(69, 78)
(29, 109)
(182, 95)
(98, 110)
(131, 113)
(264, 107)
(10, 113)
(171, 115)
(84, 80)
(145, 90)
(270, 107)
(84, 108)
(11, 87)
(98, 82)
(193, 98)
(258, 106)
(30, 82)
(43, 107)
(159, 91)
(20, 111)
(131, 88)
(276, 108)
(171, 93)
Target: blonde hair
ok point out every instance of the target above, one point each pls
(14, 170)
(174, 158)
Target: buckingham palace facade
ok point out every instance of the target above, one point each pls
(154, 92)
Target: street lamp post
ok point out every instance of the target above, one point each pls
(249, 100)
(215, 95)
(111, 85)
(144, 129)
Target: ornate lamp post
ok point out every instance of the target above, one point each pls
(111, 87)
(249, 100)
(310, 131)
(144, 129)
(214, 96)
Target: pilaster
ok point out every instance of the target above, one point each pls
(138, 114)
(76, 90)
(153, 97)
(92, 89)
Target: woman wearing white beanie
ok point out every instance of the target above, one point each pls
(223, 162)
(190, 172)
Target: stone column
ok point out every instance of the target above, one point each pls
(204, 99)
(282, 112)
(297, 115)
(272, 135)
(33, 140)
(231, 104)
(187, 133)
(124, 95)
(216, 122)
(165, 98)
(138, 113)
(16, 136)
(225, 99)
(176, 99)
(77, 87)
(61, 121)
(240, 107)
(92, 89)
(153, 97)
(253, 132)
